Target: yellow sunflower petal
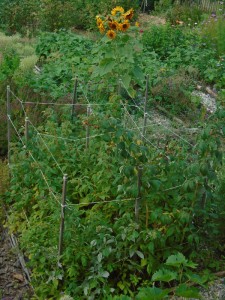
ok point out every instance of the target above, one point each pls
(116, 10)
(129, 14)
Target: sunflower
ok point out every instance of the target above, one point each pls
(116, 10)
(99, 21)
(129, 14)
(124, 26)
(111, 34)
(114, 25)
(101, 28)
(137, 24)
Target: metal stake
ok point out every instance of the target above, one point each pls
(144, 126)
(74, 101)
(61, 232)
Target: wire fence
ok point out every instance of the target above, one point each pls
(44, 137)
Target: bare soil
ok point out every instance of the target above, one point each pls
(13, 283)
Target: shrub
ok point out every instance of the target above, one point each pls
(163, 39)
(174, 93)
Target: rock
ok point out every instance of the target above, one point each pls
(18, 277)
(207, 101)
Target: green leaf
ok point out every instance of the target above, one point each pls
(99, 257)
(140, 254)
(126, 80)
(138, 74)
(105, 274)
(186, 291)
(176, 260)
(195, 278)
(152, 294)
(191, 264)
(164, 275)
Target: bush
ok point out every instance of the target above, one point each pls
(174, 93)
(163, 39)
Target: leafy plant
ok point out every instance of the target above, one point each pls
(117, 55)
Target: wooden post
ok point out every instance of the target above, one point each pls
(74, 101)
(88, 127)
(138, 199)
(61, 232)
(145, 108)
(26, 130)
(8, 121)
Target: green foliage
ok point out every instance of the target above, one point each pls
(101, 237)
(162, 6)
(29, 17)
(67, 55)
(119, 58)
(106, 254)
(19, 16)
(4, 177)
(212, 31)
(9, 64)
(163, 39)
(189, 14)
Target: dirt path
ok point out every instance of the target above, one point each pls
(13, 284)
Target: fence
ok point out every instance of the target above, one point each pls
(90, 107)
(205, 5)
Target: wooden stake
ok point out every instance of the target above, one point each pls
(146, 93)
(61, 232)
(88, 127)
(144, 126)
(8, 121)
(74, 101)
(26, 130)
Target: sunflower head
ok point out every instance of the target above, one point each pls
(116, 10)
(124, 26)
(111, 34)
(129, 14)
(113, 25)
(101, 28)
(99, 21)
